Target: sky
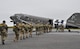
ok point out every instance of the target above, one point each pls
(54, 9)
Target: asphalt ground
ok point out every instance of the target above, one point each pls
(52, 40)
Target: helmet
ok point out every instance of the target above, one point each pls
(4, 21)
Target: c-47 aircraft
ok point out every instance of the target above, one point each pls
(30, 18)
(73, 21)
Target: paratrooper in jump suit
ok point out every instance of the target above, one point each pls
(26, 30)
(38, 29)
(16, 30)
(61, 27)
(30, 30)
(21, 30)
(3, 30)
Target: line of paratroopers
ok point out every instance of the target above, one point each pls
(24, 30)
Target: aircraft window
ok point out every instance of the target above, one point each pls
(73, 17)
(31, 19)
(21, 17)
(26, 17)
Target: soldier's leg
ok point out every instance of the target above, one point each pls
(57, 28)
(39, 30)
(17, 37)
(14, 37)
(5, 36)
(20, 35)
(23, 31)
(63, 29)
(47, 29)
(23, 35)
(50, 29)
(26, 34)
(30, 33)
(2, 39)
(44, 29)
(36, 31)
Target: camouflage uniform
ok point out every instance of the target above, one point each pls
(38, 29)
(61, 27)
(16, 30)
(30, 30)
(21, 30)
(3, 31)
(44, 28)
(26, 30)
(50, 28)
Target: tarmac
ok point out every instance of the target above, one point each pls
(52, 40)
